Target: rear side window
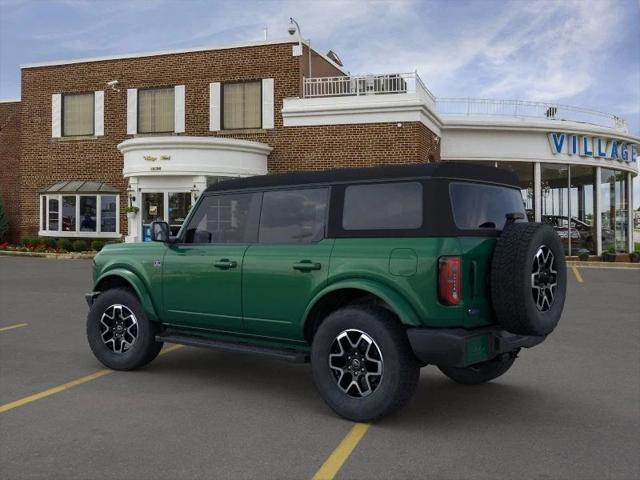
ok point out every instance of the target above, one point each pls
(383, 206)
(230, 218)
(293, 216)
(477, 206)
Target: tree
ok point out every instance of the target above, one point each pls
(4, 223)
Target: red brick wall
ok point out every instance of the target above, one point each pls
(46, 160)
(10, 162)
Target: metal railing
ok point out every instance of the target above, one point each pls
(355, 85)
(525, 109)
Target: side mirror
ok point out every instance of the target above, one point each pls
(159, 232)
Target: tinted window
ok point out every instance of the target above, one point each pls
(293, 216)
(388, 206)
(477, 206)
(231, 218)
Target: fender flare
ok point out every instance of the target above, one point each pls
(389, 295)
(138, 286)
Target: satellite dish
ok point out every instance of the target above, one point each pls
(334, 57)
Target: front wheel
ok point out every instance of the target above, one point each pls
(481, 372)
(362, 363)
(119, 333)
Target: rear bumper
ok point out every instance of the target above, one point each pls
(457, 347)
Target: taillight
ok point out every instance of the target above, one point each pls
(449, 280)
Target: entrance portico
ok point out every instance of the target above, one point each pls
(167, 173)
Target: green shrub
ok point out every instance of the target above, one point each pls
(583, 255)
(65, 244)
(97, 245)
(4, 223)
(48, 242)
(611, 250)
(29, 241)
(80, 246)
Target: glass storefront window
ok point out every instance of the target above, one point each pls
(582, 206)
(69, 214)
(54, 212)
(179, 206)
(555, 200)
(108, 215)
(88, 212)
(524, 170)
(77, 215)
(614, 210)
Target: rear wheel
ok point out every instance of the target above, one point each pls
(119, 333)
(481, 372)
(362, 363)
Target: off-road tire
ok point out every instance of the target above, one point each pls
(142, 351)
(480, 373)
(512, 266)
(400, 368)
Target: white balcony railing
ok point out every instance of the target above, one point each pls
(356, 85)
(477, 107)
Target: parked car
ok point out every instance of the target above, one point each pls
(370, 274)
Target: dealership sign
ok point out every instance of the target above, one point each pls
(597, 147)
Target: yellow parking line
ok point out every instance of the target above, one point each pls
(337, 458)
(11, 327)
(66, 386)
(577, 274)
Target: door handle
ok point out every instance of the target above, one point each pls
(306, 266)
(225, 264)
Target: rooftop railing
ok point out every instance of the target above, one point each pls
(356, 85)
(398, 83)
(478, 107)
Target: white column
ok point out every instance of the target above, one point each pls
(598, 212)
(178, 110)
(56, 115)
(630, 211)
(133, 221)
(98, 112)
(537, 192)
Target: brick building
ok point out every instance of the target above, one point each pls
(91, 137)
(182, 120)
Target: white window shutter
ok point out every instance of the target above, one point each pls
(178, 108)
(56, 115)
(132, 111)
(214, 106)
(98, 113)
(267, 103)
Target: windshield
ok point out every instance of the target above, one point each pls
(479, 206)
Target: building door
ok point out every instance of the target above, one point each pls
(290, 263)
(152, 211)
(170, 207)
(202, 270)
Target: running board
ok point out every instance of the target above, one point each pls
(289, 355)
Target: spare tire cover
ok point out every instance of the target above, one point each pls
(528, 279)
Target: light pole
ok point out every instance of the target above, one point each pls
(293, 28)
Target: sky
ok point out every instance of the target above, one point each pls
(577, 52)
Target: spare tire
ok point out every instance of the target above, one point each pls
(528, 279)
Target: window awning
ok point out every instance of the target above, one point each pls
(80, 186)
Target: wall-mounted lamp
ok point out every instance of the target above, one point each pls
(132, 197)
(195, 192)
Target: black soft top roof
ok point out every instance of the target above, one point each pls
(453, 170)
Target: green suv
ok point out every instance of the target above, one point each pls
(368, 273)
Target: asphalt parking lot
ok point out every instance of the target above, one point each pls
(568, 409)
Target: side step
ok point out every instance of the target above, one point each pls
(289, 355)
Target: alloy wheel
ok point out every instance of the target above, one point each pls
(544, 278)
(118, 328)
(356, 363)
